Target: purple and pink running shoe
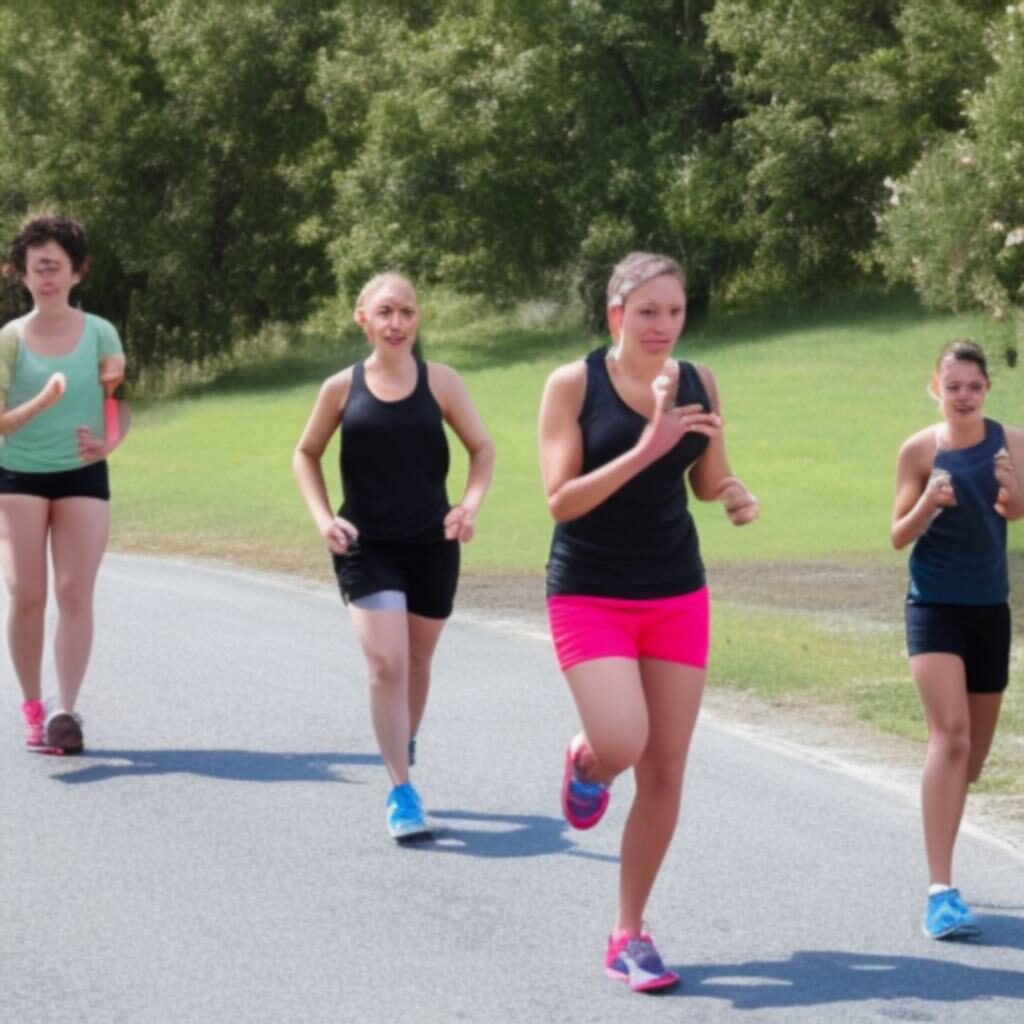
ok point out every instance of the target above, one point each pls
(634, 960)
(583, 802)
(34, 714)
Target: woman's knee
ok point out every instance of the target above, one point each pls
(386, 670)
(419, 664)
(616, 754)
(27, 599)
(661, 778)
(951, 739)
(73, 597)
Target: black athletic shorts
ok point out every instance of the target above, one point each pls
(978, 633)
(90, 481)
(427, 573)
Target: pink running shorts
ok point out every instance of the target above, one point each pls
(667, 628)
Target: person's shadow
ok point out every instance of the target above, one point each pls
(501, 835)
(816, 978)
(231, 765)
(498, 835)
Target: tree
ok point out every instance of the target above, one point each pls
(505, 142)
(181, 133)
(955, 223)
(834, 97)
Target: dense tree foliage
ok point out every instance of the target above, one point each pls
(181, 133)
(238, 160)
(955, 223)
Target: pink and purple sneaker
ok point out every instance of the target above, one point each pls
(34, 714)
(634, 960)
(583, 802)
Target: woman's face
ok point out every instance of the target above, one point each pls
(653, 316)
(961, 388)
(48, 273)
(390, 316)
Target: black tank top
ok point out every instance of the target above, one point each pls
(641, 542)
(394, 462)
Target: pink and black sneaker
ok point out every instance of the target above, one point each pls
(583, 802)
(634, 960)
(34, 714)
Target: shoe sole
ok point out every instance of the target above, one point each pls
(424, 836)
(666, 981)
(958, 931)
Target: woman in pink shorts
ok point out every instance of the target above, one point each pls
(627, 600)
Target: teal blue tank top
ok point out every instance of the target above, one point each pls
(47, 444)
(961, 557)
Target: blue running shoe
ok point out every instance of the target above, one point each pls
(948, 917)
(405, 815)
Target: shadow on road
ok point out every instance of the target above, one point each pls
(232, 765)
(817, 978)
(499, 835)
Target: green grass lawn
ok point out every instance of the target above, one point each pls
(816, 406)
(815, 413)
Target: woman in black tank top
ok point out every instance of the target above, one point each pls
(619, 432)
(395, 540)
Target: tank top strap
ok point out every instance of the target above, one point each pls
(422, 376)
(597, 386)
(995, 436)
(691, 387)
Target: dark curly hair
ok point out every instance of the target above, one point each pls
(38, 229)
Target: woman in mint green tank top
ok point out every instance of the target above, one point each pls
(58, 366)
(959, 482)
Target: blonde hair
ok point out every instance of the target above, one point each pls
(638, 268)
(376, 281)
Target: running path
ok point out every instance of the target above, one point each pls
(220, 853)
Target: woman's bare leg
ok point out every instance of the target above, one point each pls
(24, 526)
(79, 530)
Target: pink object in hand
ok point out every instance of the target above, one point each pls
(111, 421)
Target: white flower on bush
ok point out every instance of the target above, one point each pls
(1015, 237)
(894, 188)
(998, 226)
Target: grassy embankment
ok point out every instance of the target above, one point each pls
(816, 407)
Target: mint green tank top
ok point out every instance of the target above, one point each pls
(46, 444)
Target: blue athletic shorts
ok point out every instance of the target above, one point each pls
(978, 633)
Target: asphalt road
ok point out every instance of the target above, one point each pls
(220, 853)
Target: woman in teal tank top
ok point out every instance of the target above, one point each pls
(57, 367)
(958, 483)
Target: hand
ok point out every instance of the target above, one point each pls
(669, 426)
(340, 535)
(111, 374)
(740, 505)
(91, 448)
(1011, 493)
(939, 490)
(666, 386)
(458, 525)
(53, 391)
